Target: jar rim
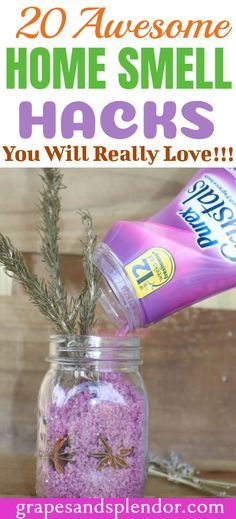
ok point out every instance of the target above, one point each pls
(95, 340)
(94, 350)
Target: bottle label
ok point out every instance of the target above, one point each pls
(209, 209)
(150, 271)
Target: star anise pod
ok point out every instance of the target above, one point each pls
(108, 459)
(88, 376)
(58, 456)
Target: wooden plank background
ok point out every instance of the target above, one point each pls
(189, 359)
(109, 195)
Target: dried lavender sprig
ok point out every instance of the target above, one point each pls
(175, 471)
(14, 265)
(91, 291)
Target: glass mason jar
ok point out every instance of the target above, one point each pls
(92, 419)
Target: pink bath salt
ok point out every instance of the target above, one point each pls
(111, 409)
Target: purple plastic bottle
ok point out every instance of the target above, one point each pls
(179, 256)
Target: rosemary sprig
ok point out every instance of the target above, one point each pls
(175, 471)
(51, 298)
(14, 265)
(50, 205)
(91, 291)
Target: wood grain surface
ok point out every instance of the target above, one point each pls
(109, 195)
